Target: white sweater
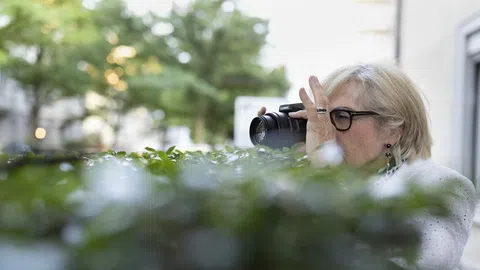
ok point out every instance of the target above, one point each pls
(443, 239)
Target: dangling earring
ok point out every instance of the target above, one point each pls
(389, 156)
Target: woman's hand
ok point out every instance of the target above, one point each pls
(319, 127)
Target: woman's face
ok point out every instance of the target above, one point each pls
(363, 141)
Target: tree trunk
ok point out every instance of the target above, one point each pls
(34, 121)
(200, 121)
(164, 140)
(34, 117)
(116, 125)
(223, 134)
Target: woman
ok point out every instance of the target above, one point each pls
(374, 112)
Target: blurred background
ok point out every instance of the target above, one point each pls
(125, 74)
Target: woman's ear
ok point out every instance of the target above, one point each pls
(395, 134)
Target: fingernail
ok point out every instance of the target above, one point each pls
(314, 78)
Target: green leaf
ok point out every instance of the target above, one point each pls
(229, 149)
(170, 150)
(163, 155)
(150, 149)
(3, 58)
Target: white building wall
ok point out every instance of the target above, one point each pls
(313, 37)
(428, 55)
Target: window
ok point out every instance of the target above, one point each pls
(475, 138)
(466, 147)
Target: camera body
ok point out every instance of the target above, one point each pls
(288, 108)
(277, 129)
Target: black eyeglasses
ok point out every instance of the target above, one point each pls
(342, 118)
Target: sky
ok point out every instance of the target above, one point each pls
(312, 37)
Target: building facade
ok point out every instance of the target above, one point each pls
(14, 111)
(15, 107)
(440, 50)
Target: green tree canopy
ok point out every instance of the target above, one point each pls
(212, 56)
(38, 48)
(191, 64)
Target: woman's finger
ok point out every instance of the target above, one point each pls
(262, 111)
(309, 105)
(318, 91)
(299, 114)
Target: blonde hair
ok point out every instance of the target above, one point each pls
(392, 94)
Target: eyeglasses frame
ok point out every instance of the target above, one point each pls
(352, 114)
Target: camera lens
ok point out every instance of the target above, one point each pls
(277, 130)
(260, 131)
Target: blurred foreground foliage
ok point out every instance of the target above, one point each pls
(231, 209)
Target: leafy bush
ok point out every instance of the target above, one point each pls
(233, 209)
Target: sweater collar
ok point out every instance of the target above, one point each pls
(390, 171)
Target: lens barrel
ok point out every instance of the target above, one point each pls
(277, 130)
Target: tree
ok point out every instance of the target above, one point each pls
(50, 32)
(192, 73)
(111, 59)
(129, 65)
(78, 50)
(212, 56)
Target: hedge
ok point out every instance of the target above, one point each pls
(236, 208)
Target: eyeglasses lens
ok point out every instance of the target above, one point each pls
(341, 119)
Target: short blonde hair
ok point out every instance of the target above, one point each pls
(388, 91)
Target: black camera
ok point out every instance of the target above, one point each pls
(278, 130)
